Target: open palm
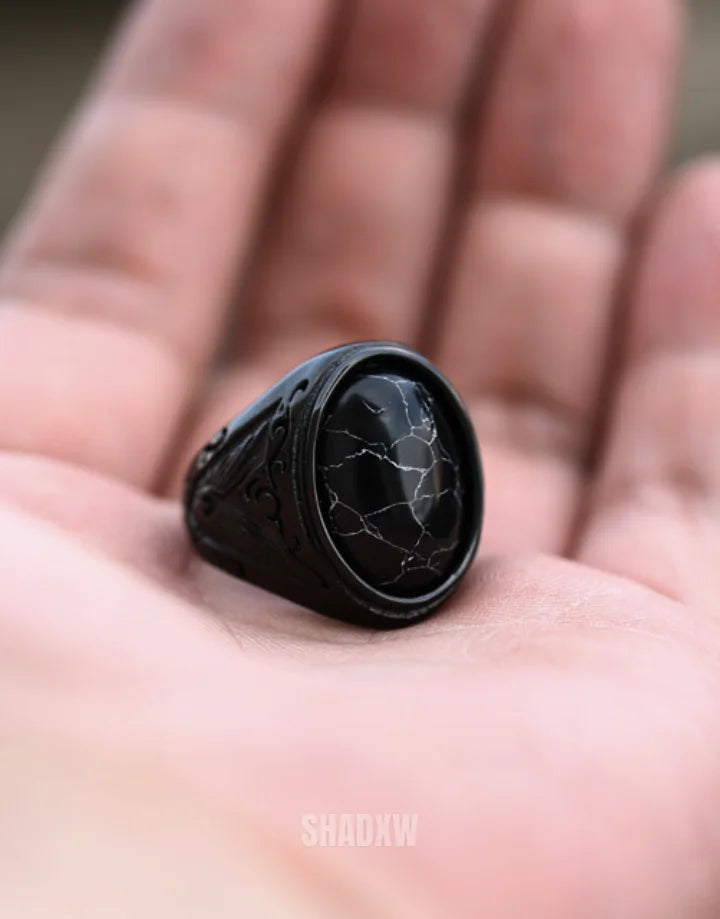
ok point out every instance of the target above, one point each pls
(463, 177)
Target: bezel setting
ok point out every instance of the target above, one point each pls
(255, 486)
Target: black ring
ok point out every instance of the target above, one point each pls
(352, 487)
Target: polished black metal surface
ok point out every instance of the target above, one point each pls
(352, 487)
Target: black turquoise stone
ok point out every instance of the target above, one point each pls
(390, 479)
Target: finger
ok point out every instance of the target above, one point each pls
(127, 525)
(353, 244)
(655, 515)
(566, 152)
(351, 251)
(114, 286)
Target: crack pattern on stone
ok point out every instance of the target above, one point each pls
(392, 482)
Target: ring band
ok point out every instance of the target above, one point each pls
(352, 487)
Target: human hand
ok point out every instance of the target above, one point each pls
(462, 179)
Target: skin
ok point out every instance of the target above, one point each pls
(247, 183)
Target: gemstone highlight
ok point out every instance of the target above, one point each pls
(390, 479)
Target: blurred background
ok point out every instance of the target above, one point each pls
(48, 48)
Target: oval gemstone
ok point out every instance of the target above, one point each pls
(390, 482)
